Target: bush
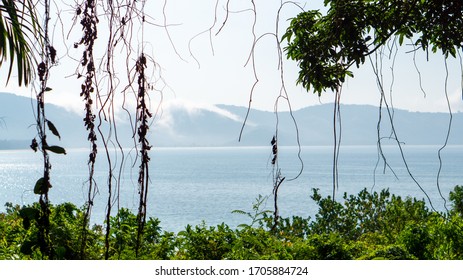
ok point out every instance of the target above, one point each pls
(363, 226)
(329, 247)
(456, 197)
(202, 243)
(416, 239)
(367, 213)
(123, 238)
(259, 244)
(388, 252)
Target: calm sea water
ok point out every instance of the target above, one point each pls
(191, 185)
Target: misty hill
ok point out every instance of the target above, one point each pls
(358, 123)
(183, 125)
(17, 123)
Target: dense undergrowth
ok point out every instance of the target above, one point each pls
(363, 226)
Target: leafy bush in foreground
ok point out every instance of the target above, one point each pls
(363, 226)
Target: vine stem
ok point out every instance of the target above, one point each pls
(43, 74)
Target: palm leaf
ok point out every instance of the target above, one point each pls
(19, 30)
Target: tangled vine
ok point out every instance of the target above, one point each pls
(89, 26)
(143, 116)
(326, 46)
(43, 185)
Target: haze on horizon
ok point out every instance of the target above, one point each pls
(199, 72)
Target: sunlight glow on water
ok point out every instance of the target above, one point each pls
(189, 185)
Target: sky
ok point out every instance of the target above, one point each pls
(200, 69)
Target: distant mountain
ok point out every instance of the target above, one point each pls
(359, 126)
(17, 123)
(183, 125)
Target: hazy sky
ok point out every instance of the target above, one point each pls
(222, 75)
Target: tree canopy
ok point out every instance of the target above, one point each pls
(326, 46)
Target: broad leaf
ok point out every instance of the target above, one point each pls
(53, 129)
(29, 212)
(56, 149)
(40, 187)
(27, 247)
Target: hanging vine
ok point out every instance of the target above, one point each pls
(277, 181)
(89, 23)
(117, 18)
(326, 46)
(143, 117)
(102, 81)
(394, 136)
(447, 136)
(43, 185)
(377, 69)
(337, 137)
(283, 94)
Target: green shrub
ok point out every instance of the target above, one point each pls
(363, 226)
(416, 240)
(367, 213)
(123, 235)
(388, 252)
(202, 243)
(13, 233)
(329, 247)
(259, 244)
(456, 197)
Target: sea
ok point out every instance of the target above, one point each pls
(205, 185)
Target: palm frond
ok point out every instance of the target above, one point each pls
(19, 30)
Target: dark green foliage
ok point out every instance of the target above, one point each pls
(367, 213)
(202, 243)
(388, 252)
(289, 228)
(456, 197)
(259, 244)
(329, 247)
(24, 234)
(365, 226)
(416, 239)
(447, 241)
(123, 237)
(325, 46)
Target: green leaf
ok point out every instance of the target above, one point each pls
(55, 149)
(40, 187)
(29, 213)
(401, 39)
(48, 89)
(243, 226)
(27, 247)
(26, 223)
(53, 129)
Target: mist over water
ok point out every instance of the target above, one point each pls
(191, 185)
